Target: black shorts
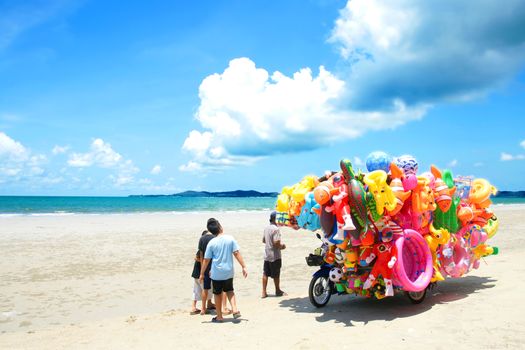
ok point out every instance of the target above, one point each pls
(207, 281)
(220, 286)
(272, 269)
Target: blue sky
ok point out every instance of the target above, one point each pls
(98, 98)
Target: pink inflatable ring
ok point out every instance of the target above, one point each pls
(413, 269)
(456, 262)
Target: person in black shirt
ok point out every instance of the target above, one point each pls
(206, 285)
(197, 286)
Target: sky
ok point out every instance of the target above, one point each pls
(117, 98)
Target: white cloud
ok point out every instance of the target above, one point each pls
(508, 157)
(358, 162)
(17, 161)
(122, 179)
(399, 60)
(452, 163)
(190, 167)
(522, 143)
(156, 170)
(11, 149)
(102, 155)
(400, 49)
(249, 114)
(59, 149)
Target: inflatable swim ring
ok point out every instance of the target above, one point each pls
(413, 269)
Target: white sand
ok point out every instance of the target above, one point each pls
(123, 281)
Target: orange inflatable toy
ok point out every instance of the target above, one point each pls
(442, 193)
(397, 187)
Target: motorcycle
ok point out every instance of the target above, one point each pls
(321, 288)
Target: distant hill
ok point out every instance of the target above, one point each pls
(510, 194)
(234, 194)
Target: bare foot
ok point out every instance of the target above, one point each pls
(264, 296)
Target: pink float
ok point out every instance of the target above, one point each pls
(413, 269)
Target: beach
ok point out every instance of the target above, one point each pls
(115, 281)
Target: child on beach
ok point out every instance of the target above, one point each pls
(220, 253)
(197, 286)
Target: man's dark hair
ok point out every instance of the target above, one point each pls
(213, 226)
(204, 232)
(273, 215)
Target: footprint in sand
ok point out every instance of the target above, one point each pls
(131, 319)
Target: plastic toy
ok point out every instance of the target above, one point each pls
(382, 234)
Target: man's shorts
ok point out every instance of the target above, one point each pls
(272, 269)
(207, 281)
(220, 286)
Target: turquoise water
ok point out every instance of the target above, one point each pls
(100, 205)
(59, 205)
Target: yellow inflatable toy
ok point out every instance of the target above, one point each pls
(434, 238)
(480, 192)
(383, 194)
(492, 226)
(283, 199)
(298, 193)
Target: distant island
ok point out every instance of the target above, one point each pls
(235, 194)
(510, 194)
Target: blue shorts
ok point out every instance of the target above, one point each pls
(207, 281)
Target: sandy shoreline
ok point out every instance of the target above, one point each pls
(123, 281)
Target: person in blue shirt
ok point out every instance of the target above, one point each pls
(220, 251)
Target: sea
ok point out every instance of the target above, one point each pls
(49, 205)
(42, 205)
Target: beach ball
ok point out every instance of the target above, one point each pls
(378, 160)
(335, 274)
(407, 163)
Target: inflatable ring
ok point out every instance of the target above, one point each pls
(413, 269)
(480, 192)
(457, 262)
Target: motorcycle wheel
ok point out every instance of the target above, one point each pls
(320, 291)
(416, 297)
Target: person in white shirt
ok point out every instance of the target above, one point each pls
(272, 256)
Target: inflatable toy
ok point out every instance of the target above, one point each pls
(422, 204)
(442, 193)
(378, 161)
(357, 198)
(435, 238)
(386, 258)
(492, 226)
(455, 258)
(340, 204)
(397, 187)
(409, 165)
(414, 268)
(383, 194)
(283, 199)
(449, 219)
(336, 274)
(385, 233)
(309, 217)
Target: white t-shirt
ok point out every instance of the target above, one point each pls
(271, 234)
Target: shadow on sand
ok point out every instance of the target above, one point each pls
(347, 308)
